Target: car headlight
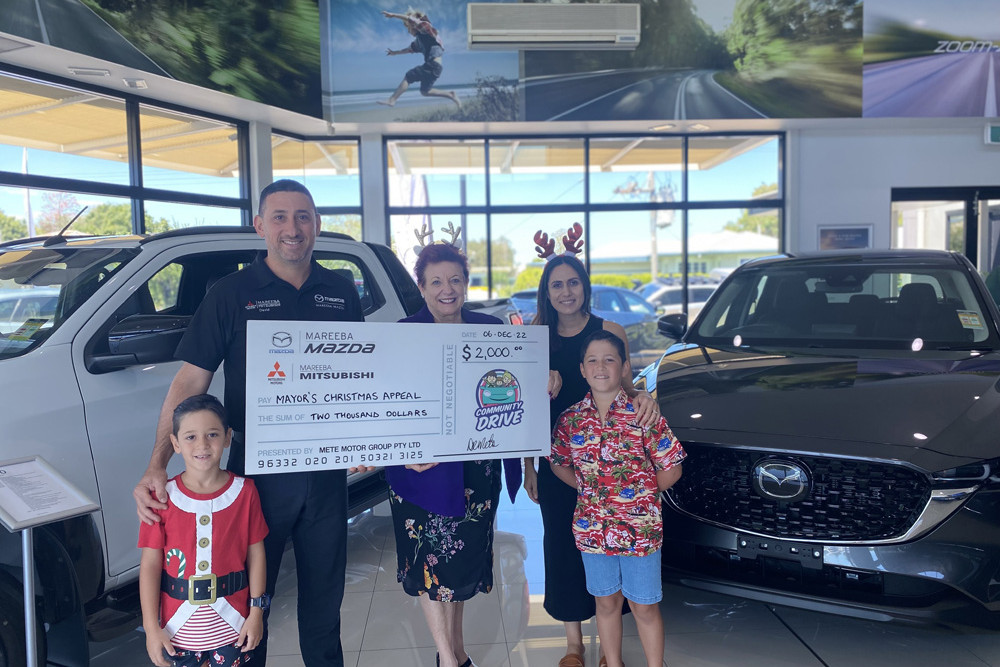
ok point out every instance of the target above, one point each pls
(972, 473)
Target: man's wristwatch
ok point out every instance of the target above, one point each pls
(264, 601)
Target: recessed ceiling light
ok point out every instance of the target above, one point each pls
(665, 126)
(135, 83)
(89, 71)
(699, 127)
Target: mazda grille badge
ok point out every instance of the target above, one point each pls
(781, 480)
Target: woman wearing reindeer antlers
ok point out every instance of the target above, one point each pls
(426, 43)
(442, 514)
(564, 305)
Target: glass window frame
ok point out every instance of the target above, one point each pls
(979, 241)
(681, 206)
(135, 190)
(329, 210)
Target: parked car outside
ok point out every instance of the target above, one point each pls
(525, 301)
(619, 305)
(668, 299)
(84, 382)
(503, 308)
(636, 315)
(655, 285)
(18, 305)
(840, 414)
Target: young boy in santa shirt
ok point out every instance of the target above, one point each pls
(212, 531)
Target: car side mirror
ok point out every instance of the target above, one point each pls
(140, 339)
(673, 325)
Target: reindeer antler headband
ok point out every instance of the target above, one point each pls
(425, 231)
(572, 242)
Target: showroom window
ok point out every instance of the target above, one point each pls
(960, 219)
(438, 172)
(61, 132)
(52, 210)
(655, 211)
(718, 166)
(331, 170)
(537, 171)
(189, 154)
(124, 165)
(630, 194)
(636, 170)
(162, 216)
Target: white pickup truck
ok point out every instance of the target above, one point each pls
(82, 387)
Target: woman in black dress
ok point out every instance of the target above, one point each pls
(564, 305)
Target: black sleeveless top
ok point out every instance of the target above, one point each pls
(564, 356)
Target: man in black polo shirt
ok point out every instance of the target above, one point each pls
(308, 507)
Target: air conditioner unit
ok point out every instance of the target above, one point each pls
(530, 26)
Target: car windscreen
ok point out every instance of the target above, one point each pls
(849, 306)
(40, 288)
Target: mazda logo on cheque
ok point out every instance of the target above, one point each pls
(786, 481)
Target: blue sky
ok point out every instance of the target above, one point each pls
(74, 166)
(734, 179)
(360, 35)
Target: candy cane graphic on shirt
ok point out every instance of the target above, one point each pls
(182, 562)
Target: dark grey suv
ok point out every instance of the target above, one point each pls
(841, 415)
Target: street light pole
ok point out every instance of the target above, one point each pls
(665, 194)
(654, 264)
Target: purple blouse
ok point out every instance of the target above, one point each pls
(441, 489)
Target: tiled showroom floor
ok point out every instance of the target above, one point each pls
(508, 628)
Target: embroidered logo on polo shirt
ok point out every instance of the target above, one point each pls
(263, 305)
(329, 301)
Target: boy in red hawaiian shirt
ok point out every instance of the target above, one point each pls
(619, 470)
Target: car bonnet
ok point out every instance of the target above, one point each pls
(934, 413)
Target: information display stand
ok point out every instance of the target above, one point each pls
(33, 493)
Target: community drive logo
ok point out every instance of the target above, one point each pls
(499, 397)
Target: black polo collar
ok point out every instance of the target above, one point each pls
(263, 275)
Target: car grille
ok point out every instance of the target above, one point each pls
(850, 500)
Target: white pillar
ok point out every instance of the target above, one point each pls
(375, 226)
(260, 167)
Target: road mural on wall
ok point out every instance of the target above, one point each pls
(347, 60)
(927, 58)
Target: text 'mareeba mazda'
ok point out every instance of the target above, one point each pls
(841, 415)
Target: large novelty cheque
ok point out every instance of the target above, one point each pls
(324, 395)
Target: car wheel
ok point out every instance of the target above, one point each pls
(12, 641)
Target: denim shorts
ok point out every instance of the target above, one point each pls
(637, 577)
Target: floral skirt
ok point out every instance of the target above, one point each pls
(449, 558)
